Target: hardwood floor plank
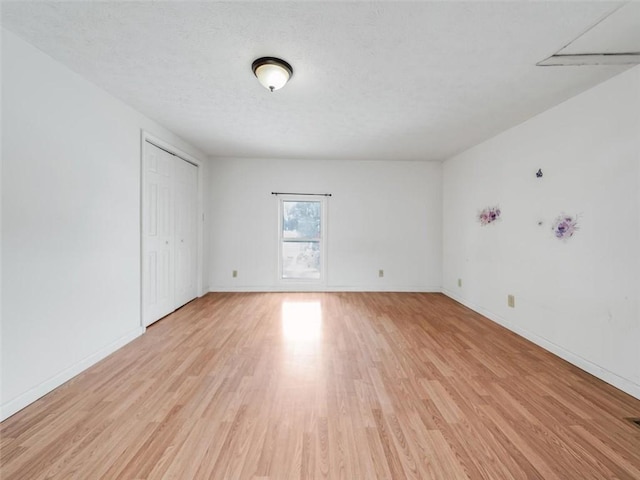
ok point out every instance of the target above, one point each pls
(348, 386)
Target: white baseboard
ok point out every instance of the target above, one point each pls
(326, 288)
(603, 374)
(18, 403)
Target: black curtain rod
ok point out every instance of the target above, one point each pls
(308, 194)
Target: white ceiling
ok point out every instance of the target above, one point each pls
(372, 80)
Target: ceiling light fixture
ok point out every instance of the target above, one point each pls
(273, 73)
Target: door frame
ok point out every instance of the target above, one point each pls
(145, 138)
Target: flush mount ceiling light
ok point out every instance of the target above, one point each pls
(273, 73)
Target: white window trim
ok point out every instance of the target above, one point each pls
(311, 282)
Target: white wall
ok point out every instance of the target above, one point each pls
(577, 298)
(381, 215)
(70, 222)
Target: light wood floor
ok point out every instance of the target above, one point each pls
(326, 385)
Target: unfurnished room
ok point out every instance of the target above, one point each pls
(320, 240)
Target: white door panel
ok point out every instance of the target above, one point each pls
(158, 239)
(185, 233)
(169, 226)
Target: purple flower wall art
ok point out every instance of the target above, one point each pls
(489, 215)
(565, 226)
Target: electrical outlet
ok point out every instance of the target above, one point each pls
(234, 274)
(511, 301)
(460, 282)
(380, 273)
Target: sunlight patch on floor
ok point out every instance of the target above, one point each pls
(302, 321)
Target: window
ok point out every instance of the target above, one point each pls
(301, 239)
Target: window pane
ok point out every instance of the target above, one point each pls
(301, 220)
(301, 260)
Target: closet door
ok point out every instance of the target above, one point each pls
(158, 234)
(186, 212)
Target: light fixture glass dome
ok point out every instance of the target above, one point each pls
(272, 72)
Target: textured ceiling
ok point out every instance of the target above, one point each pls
(372, 80)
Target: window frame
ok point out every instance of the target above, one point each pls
(322, 240)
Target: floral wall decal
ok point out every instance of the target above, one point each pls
(564, 226)
(489, 215)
